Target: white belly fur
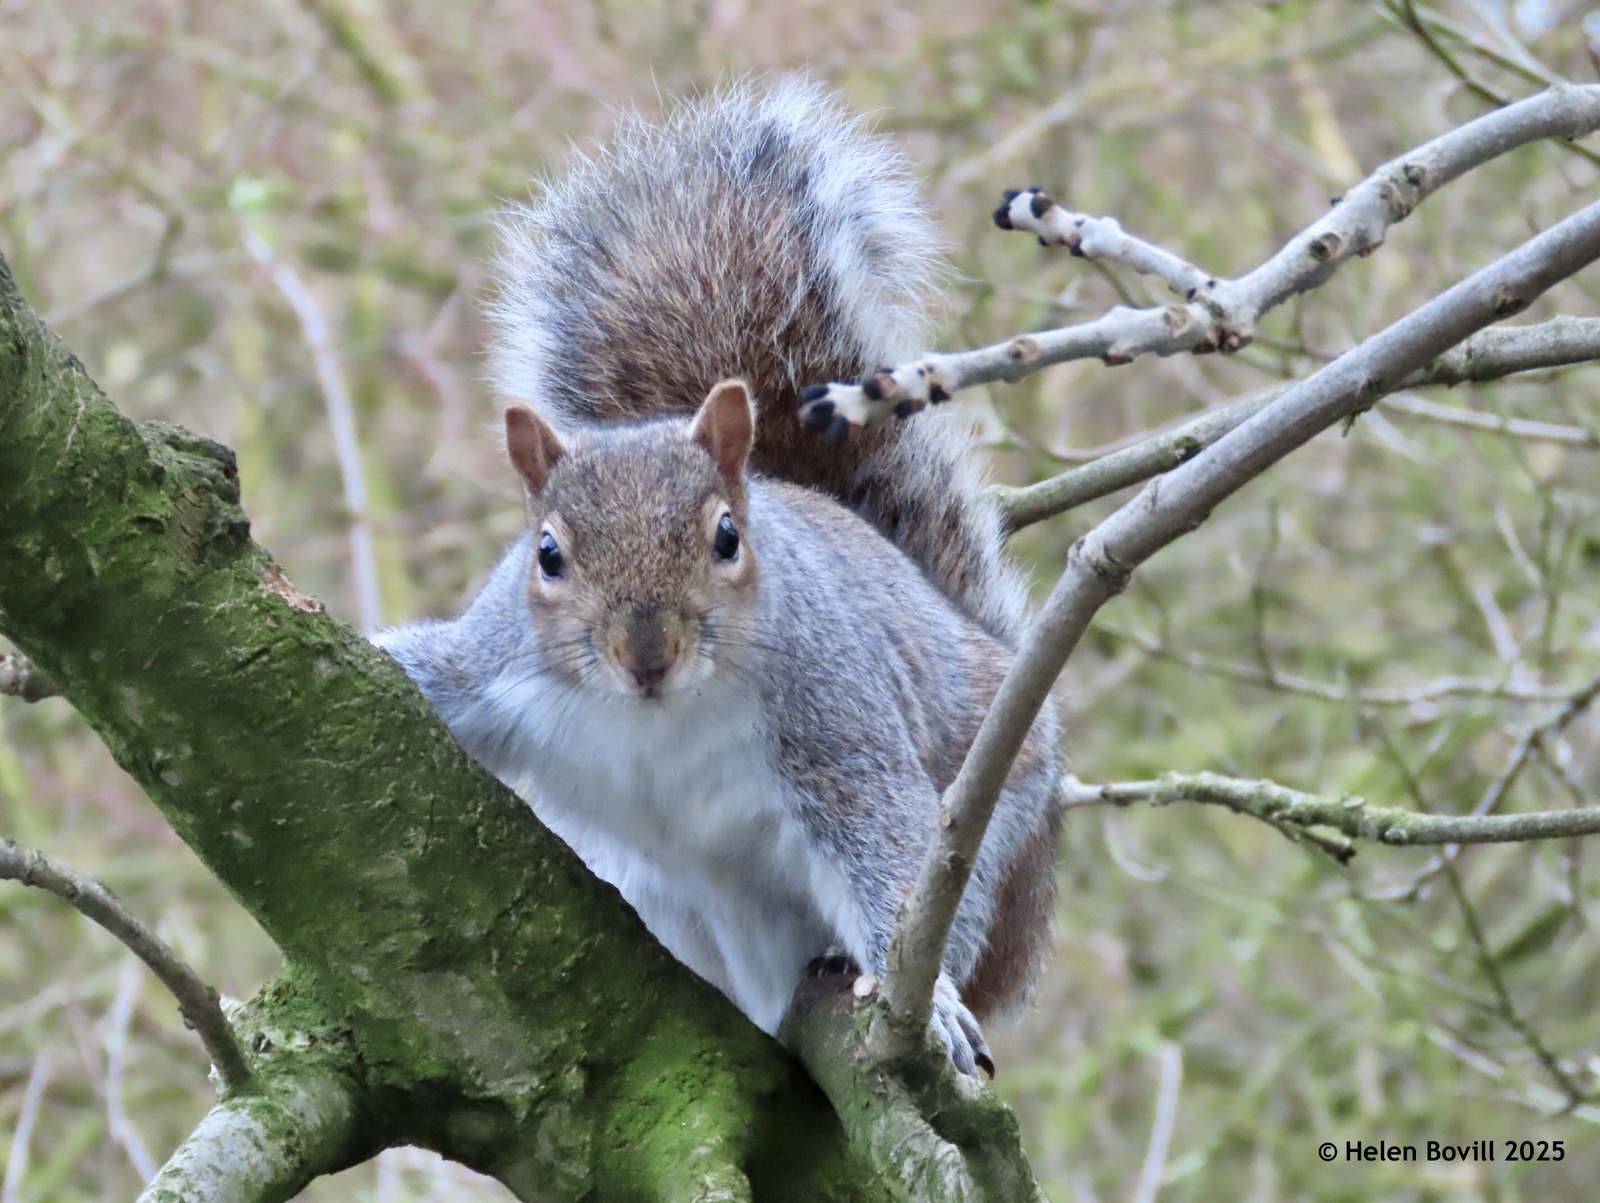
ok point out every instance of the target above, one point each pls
(677, 802)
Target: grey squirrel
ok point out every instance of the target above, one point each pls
(734, 663)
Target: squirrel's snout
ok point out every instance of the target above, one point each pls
(645, 644)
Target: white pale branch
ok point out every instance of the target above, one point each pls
(1506, 350)
(1102, 239)
(1489, 355)
(1352, 817)
(1099, 565)
(335, 390)
(265, 1146)
(197, 1002)
(1471, 419)
(1224, 312)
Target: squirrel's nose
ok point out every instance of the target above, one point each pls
(649, 652)
(648, 675)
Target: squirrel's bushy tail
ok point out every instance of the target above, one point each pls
(766, 235)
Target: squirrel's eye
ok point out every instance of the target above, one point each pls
(726, 544)
(550, 561)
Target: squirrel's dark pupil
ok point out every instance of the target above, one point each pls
(727, 542)
(549, 555)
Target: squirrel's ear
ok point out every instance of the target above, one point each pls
(726, 426)
(534, 447)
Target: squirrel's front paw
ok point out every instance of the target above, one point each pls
(958, 1028)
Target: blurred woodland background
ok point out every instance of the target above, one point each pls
(232, 211)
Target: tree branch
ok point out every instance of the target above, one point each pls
(1352, 817)
(1224, 313)
(1506, 350)
(1491, 354)
(1100, 563)
(264, 1147)
(1101, 239)
(197, 1002)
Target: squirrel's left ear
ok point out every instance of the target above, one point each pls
(726, 426)
(534, 447)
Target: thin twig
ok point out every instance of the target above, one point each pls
(1155, 1152)
(118, 1020)
(1100, 564)
(1224, 313)
(1471, 419)
(1423, 24)
(197, 1002)
(1283, 682)
(341, 420)
(1508, 1011)
(22, 1136)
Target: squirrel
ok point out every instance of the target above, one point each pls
(732, 662)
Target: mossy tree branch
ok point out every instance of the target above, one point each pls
(1352, 817)
(498, 1003)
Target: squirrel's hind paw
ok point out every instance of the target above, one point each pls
(957, 1028)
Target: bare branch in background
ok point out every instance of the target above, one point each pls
(1532, 740)
(197, 1002)
(1427, 25)
(118, 1020)
(1506, 350)
(19, 678)
(1508, 1011)
(1100, 564)
(341, 420)
(1224, 314)
(1488, 355)
(1170, 1057)
(1517, 428)
(22, 1134)
(1419, 695)
(1353, 818)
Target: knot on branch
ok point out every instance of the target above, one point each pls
(1508, 301)
(1092, 554)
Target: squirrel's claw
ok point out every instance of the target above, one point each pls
(957, 1028)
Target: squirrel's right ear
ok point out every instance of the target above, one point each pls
(534, 447)
(726, 426)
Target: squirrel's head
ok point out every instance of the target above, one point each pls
(642, 580)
